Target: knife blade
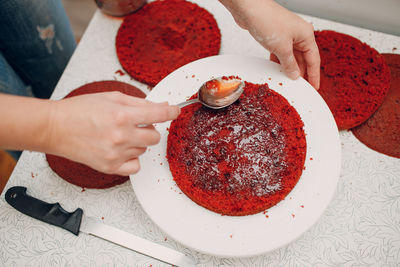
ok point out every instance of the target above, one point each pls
(76, 222)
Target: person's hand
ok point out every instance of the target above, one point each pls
(106, 131)
(288, 37)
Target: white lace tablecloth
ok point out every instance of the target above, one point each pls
(361, 227)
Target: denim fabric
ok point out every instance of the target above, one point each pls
(36, 43)
(10, 82)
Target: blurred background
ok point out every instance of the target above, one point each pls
(377, 15)
(79, 12)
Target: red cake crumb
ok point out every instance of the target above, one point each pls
(163, 36)
(354, 78)
(381, 132)
(120, 72)
(80, 174)
(239, 160)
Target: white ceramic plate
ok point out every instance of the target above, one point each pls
(229, 236)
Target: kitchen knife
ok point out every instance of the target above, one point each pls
(76, 222)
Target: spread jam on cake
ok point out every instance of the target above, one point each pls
(239, 160)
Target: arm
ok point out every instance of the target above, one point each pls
(101, 130)
(24, 122)
(288, 37)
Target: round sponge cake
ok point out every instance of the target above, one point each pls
(80, 174)
(163, 36)
(381, 131)
(239, 160)
(354, 78)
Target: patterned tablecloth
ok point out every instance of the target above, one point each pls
(361, 227)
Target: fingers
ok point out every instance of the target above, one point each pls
(143, 137)
(300, 62)
(313, 62)
(299, 58)
(308, 63)
(129, 100)
(133, 101)
(305, 43)
(288, 61)
(135, 152)
(127, 162)
(129, 167)
(150, 114)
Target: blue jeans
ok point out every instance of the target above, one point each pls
(36, 43)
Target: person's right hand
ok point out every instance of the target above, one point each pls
(106, 131)
(289, 38)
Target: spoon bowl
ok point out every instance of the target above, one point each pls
(218, 93)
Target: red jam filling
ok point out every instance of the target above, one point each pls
(239, 160)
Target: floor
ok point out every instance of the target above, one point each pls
(7, 165)
(79, 12)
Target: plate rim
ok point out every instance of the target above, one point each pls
(337, 167)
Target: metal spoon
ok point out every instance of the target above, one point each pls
(217, 93)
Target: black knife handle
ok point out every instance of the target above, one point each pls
(50, 213)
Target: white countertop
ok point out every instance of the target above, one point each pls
(360, 227)
(382, 15)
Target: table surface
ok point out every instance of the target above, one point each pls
(361, 226)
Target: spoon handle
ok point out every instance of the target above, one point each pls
(189, 102)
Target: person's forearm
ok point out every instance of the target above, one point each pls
(233, 4)
(25, 123)
(254, 15)
(241, 10)
(236, 8)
